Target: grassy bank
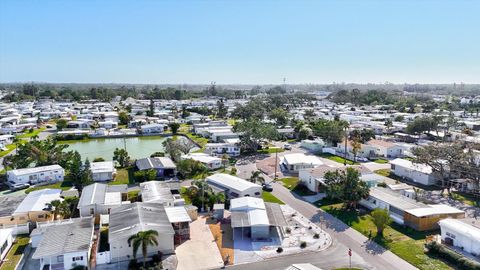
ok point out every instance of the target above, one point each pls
(338, 159)
(15, 254)
(269, 197)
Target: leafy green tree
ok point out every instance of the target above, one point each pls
(151, 110)
(174, 127)
(123, 118)
(421, 125)
(61, 124)
(158, 154)
(346, 186)
(143, 240)
(189, 168)
(257, 177)
(222, 110)
(76, 169)
(253, 131)
(356, 147)
(332, 132)
(363, 136)
(98, 159)
(381, 219)
(121, 156)
(280, 116)
(86, 176)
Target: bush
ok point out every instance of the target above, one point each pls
(233, 171)
(146, 175)
(99, 159)
(316, 236)
(382, 184)
(303, 244)
(453, 257)
(279, 250)
(288, 230)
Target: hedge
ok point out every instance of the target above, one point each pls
(451, 256)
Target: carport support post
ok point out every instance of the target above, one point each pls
(346, 138)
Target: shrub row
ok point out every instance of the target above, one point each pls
(451, 256)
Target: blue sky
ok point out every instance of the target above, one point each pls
(240, 41)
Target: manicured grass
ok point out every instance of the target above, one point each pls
(133, 195)
(337, 159)
(381, 161)
(290, 182)
(405, 242)
(10, 148)
(271, 150)
(29, 134)
(15, 253)
(124, 176)
(269, 197)
(383, 172)
(65, 185)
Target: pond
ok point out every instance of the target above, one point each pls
(137, 147)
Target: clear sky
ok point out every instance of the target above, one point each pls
(240, 41)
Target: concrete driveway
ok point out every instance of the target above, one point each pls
(201, 251)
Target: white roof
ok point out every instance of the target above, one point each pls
(299, 158)
(113, 198)
(247, 203)
(201, 157)
(413, 166)
(230, 181)
(26, 171)
(254, 208)
(434, 209)
(4, 234)
(177, 214)
(461, 227)
(37, 200)
(103, 166)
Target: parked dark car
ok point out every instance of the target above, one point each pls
(267, 187)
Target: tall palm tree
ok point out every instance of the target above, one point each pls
(55, 207)
(143, 239)
(257, 177)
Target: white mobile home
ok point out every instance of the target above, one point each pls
(461, 233)
(49, 174)
(99, 199)
(103, 171)
(212, 163)
(418, 173)
(6, 241)
(234, 187)
(298, 161)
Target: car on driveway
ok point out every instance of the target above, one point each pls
(15, 187)
(267, 187)
(287, 147)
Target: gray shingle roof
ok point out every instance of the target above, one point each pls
(154, 163)
(129, 219)
(8, 204)
(65, 238)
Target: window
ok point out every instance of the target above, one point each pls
(4, 247)
(257, 193)
(41, 216)
(91, 211)
(78, 258)
(451, 235)
(60, 258)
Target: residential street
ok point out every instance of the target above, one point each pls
(366, 254)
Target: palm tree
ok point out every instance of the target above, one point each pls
(257, 177)
(55, 207)
(143, 239)
(381, 219)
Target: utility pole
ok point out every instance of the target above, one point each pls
(276, 164)
(124, 144)
(346, 138)
(350, 257)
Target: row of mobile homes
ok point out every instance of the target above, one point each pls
(418, 173)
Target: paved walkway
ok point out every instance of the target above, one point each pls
(201, 251)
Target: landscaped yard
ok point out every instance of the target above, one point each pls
(10, 148)
(290, 182)
(338, 159)
(65, 185)
(15, 253)
(29, 134)
(381, 161)
(124, 176)
(183, 190)
(269, 197)
(405, 242)
(465, 198)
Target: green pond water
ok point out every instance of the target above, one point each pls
(137, 147)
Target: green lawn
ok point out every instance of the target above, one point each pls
(405, 242)
(15, 253)
(338, 159)
(65, 185)
(381, 161)
(383, 172)
(29, 134)
(10, 148)
(271, 150)
(290, 182)
(124, 176)
(133, 195)
(269, 197)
